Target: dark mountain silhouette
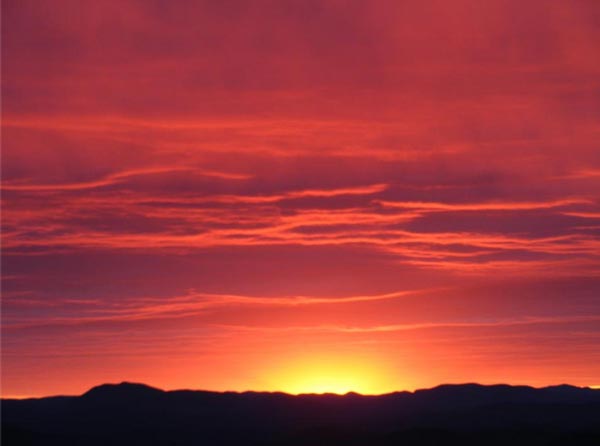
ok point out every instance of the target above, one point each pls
(135, 414)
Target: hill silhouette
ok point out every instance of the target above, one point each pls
(136, 414)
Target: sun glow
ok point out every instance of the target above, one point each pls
(332, 375)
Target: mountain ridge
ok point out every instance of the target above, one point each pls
(142, 387)
(132, 413)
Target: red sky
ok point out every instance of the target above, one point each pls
(300, 195)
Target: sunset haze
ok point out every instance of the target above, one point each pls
(300, 196)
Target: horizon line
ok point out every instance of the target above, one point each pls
(241, 392)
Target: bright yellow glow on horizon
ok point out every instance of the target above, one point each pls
(332, 375)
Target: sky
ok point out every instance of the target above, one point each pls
(305, 196)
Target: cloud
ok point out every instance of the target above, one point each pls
(298, 163)
(118, 177)
(427, 325)
(583, 214)
(192, 304)
(499, 206)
